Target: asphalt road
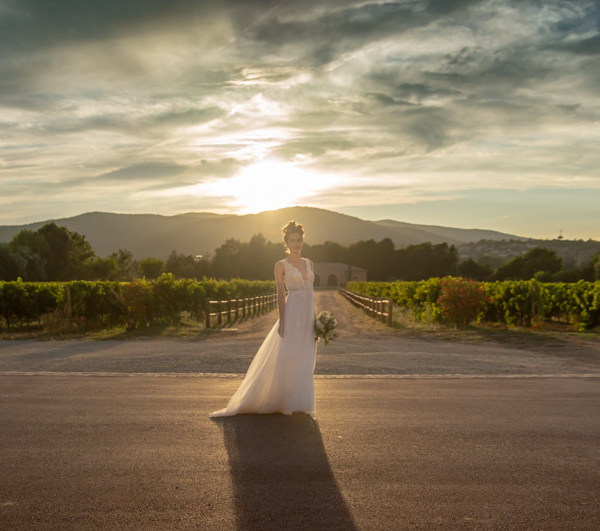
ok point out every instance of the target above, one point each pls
(91, 452)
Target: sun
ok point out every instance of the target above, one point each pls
(270, 185)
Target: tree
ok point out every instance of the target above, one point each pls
(326, 252)
(31, 252)
(423, 261)
(252, 260)
(52, 253)
(226, 263)
(202, 267)
(151, 268)
(11, 263)
(378, 258)
(537, 260)
(475, 271)
(68, 252)
(591, 271)
(258, 258)
(128, 267)
(103, 269)
(180, 265)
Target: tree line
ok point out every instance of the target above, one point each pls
(383, 262)
(54, 253)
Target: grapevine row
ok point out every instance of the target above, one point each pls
(519, 302)
(97, 305)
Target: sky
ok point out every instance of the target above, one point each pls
(461, 113)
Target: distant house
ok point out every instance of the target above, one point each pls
(333, 274)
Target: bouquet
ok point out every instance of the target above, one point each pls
(325, 325)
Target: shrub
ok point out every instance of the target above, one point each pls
(137, 304)
(461, 301)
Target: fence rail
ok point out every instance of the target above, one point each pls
(233, 309)
(378, 308)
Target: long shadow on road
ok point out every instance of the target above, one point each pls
(281, 474)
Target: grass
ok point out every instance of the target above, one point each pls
(496, 332)
(553, 332)
(558, 337)
(187, 328)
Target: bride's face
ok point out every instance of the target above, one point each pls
(294, 242)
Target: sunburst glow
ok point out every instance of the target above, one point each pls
(271, 185)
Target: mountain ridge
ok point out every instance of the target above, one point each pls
(202, 232)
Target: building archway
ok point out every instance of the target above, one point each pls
(334, 274)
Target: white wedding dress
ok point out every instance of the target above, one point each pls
(280, 377)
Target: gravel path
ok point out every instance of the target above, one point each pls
(364, 347)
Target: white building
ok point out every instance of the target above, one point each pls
(334, 274)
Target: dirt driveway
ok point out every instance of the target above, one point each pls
(364, 347)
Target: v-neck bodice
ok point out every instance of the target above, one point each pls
(295, 279)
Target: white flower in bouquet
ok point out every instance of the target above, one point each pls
(325, 326)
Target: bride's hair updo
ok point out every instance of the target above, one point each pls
(292, 228)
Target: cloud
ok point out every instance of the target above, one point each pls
(589, 46)
(123, 99)
(33, 24)
(145, 171)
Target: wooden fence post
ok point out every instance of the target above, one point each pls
(375, 307)
(207, 311)
(251, 306)
(69, 305)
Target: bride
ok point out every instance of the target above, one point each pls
(280, 377)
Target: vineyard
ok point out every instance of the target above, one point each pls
(98, 305)
(526, 303)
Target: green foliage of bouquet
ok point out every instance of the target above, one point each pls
(325, 327)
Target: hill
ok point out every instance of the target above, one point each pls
(201, 233)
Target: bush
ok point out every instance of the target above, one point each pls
(25, 302)
(461, 301)
(137, 301)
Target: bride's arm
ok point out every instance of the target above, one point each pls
(279, 274)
